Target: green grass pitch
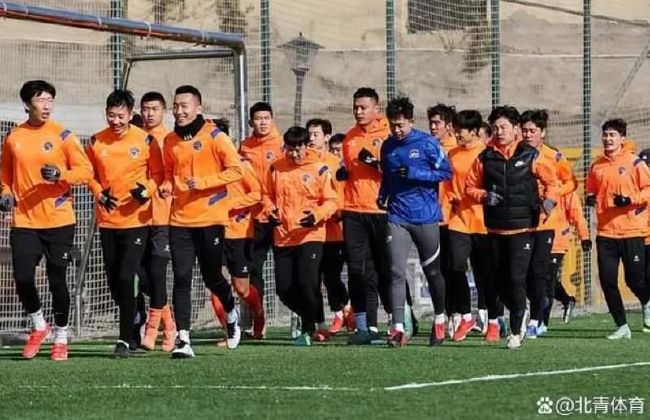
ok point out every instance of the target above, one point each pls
(274, 380)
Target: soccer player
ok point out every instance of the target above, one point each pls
(533, 131)
(441, 119)
(468, 235)
(331, 266)
(364, 224)
(128, 169)
(41, 161)
(505, 179)
(200, 161)
(299, 197)
(157, 254)
(570, 208)
(412, 165)
(335, 145)
(262, 148)
(618, 186)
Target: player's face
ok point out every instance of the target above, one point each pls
(483, 135)
(365, 110)
(186, 109)
(317, 139)
(337, 149)
(262, 123)
(612, 141)
(439, 127)
(532, 134)
(465, 136)
(504, 131)
(400, 126)
(296, 153)
(118, 118)
(152, 113)
(40, 107)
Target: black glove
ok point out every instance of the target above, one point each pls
(7, 202)
(590, 201)
(621, 200)
(403, 171)
(309, 220)
(586, 245)
(106, 200)
(341, 174)
(548, 206)
(140, 193)
(274, 219)
(366, 157)
(493, 199)
(50, 173)
(381, 204)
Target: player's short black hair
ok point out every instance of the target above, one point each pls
(222, 124)
(259, 107)
(539, 117)
(616, 124)
(33, 88)
(120, 97)
(189, 89)
(337, 138)
(366, 92)
(137, 120)
(153, 96)
(469, 119)
(508, 112)
(488, 130)
(296, 136)
(400, 106)
(446, 113)
(324, 124)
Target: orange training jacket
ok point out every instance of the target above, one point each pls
(570, 210)
(39, 203)
(544, 173)
(362, 186)
(120, 163)
(211, 158)
(625, 174)
(567, 183)
(262, 152)
(160, 207)
(334, 226)
(292, 189)
(448, 143)
(466, 214)
(244, 197)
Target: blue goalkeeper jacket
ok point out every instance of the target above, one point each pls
(413, 198)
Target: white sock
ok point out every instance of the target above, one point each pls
(38, 321)
(338, 314)
(322, 326)
(493, 321)
(439, 318)
(467, 317)
(533, 323)
(398, 326)
(123, 342)
(184, 335)
(60, 334)
(232, 316)
(373, 329)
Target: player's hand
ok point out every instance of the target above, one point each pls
(7, 202)
(50, 173)
(366, 157)
(591, 200)
(140, 193)
(342, 174)
(165, 189)
(621, 200)
(381, 203)
(309, 220)
(106, 200)
(586, 245)
(403, 172)
(548, 205)
(274, 218)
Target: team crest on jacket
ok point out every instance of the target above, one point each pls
(414, 154)
(269, 156)
(134, 152)
(622, 170)
(197, 145)
(376, 142)
(47, 146)
(306, 178)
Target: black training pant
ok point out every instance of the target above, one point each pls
(539, 272)
(153, 275)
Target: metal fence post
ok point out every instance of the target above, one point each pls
(495, 52)
(390, 49)
(265, 23)
(586, 132)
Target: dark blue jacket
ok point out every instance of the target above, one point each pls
(413, 199)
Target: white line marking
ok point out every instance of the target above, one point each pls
(486, 378)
